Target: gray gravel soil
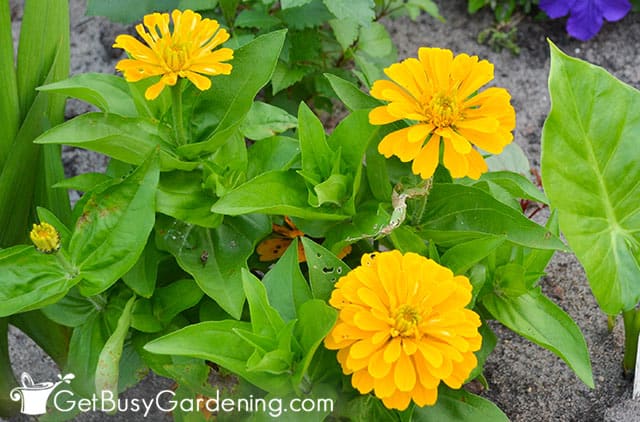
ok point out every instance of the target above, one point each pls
(527, 382)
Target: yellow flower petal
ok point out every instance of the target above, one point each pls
(405, 374)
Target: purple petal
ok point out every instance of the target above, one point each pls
(556, 8)
(614, 10)
(585, 20)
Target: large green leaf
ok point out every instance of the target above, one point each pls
(274, 192)
(124, 138)
(219, 111)
(538, 319)
(31, 279)
(590, 171)
(107, 92)
(113, 229)
(218, 342)
(215, 257)
(455, 213)
(360, 11)
(459, 405)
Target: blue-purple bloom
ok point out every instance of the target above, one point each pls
(586, 16)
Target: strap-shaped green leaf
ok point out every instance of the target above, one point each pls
(590, 171)
(9, 103)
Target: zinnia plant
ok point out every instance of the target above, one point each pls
(177, 259)
(439, 94)
(403, 327)
(586, 16)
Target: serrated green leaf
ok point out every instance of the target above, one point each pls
(375, 41)
(538, 319)
(361, 11)
(345, 30)
(597, 195)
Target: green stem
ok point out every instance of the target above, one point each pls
(631, 330)
(176, 108)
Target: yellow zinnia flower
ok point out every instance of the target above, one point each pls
(403, 327)
(439, 92)
(45, 237)
(187, 52)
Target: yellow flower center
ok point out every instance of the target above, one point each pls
(176, 56)
(45, 237)
(443, 110)
(406, 323)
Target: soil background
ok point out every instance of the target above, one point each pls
(527, 382)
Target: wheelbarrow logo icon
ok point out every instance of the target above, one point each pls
(34, 396)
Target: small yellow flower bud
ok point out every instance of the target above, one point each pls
(45, 237)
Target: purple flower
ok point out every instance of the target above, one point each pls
(586, 16)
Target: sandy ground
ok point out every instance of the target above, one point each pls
(527, 382)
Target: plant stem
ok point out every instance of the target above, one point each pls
(631, 330)
(176, 109)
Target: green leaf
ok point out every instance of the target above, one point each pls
(538, 319)
(124, 138)
(31, 279)
(9, 101)
(509, 280)
(360, 11)
(218, 342)
(71, 310)
(516, 185)
(265, 319)
(83, 182)
(277, 153)
(273, 192)
(285, 76)
(108, 368)
(215, 257)
(286, 4)
(141, 278)
(109, 93)
(315, 320)
(265, 120)
(375, 41)
(286, 287)
(346, 32)
(219, 111)
(461, 257)
(350, 94)
(170, 300)
(181, 196)
(85, 346)
(113, 229)
(312, 14)
(597, 196)
(324, 268)
(316, 154)
(125, 11)
(229, 8)
(459, 405)
(512, 158)
(258, 18)
(456, 213)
